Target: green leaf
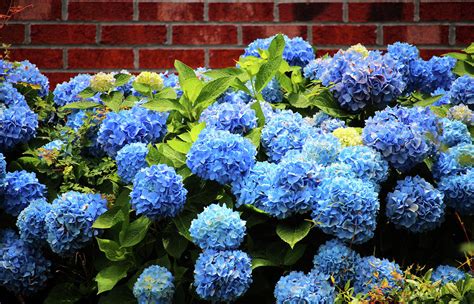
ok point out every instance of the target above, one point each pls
(122, 79)
(255, 135)
(427, 101)
(179, 145)
(323, 99)
(184, 72)
(463, 68)
(183, 222)
(111, 249)
(135, 232)
(141, 88)
(458, 56)
(114, 101)
(175, 245)
(298, 100)
(214, 89)
(285, 82)
(120, 294)
(87, 93)
(166, 93)
(196, 130)
(110, 218)
(266, 72)
(108, 277)
(470, 49)
(164, 105)
(292, 233)
(262, 263)
(65, 293)
(293, 255)
(80, 105)
(192, 87)
(259, 112)
(277, 46)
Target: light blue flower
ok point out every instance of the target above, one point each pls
(237, 118)
(458, 191)
(222, 276)
(26, 72)
(365, 162)
(130, 160)
(75, 120)
(20, 189)
(31, 222)
(404, 55)
(452, 161)
(462, 91)
(447, 274)
(68, 91)
(441, 75)
(314, 69)
(158, 192)
(321, 149)
(454, 132)
(154, 285)
(374, 273)
(217, 227)
(272, 93)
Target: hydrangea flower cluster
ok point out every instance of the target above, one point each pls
(447, 274)
(151, 79)
(232, 96)
(19, 190)
(415, 205)
(154, 285)
(272, 93)
(237, 117)
(69, 223)
(321, 149)
(284, 132)
(452, 160)
(377, 275)
(23, 268)
(402, 135)
(31, 222)
(217, 227)
(127, 126)
(68, 91)
(346, 208)
(28, 73)
(454, 133)
(458, 191)
(349, 136)
(404, 55)
(462, 113)
(130, 160)
(297, 287)
(337, 260)
(221, 156)
(158, 192)
(222, 275)
(462, 91)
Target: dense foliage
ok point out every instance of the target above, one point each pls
(287, 178)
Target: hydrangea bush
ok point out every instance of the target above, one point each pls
(284, 179)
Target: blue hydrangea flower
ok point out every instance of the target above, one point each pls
(404, 55)
(462, 91)
(7, 236)
(443, 97)
(154, 285)
(447, 274)
(10, 97)
(217, 227)
(68, 91)
(285, 131)
(69, 223)
(420, 76)
(297, 287)
(5, 69)
(314, 69)
(130, 160)
(20, 189)
(23, 268)
(365, 162)
(53, 145)
(221, 156)
(321, 149)
(451, 161)
(158, 192)
(75, 120)
(338, 169)
(454, 133)
(415, 205)
(237, 118)
(222, 275)
(318, 118)
(17, 125)
(403, 136)
(377, 274)
(272, 93)
(337, 260)
(232, 96)
(462, 113)
(3, 168)
(346, 208)
(128, 126)
(31, 222)
(329, 125)
(441, 75)
(26, 72)
(458, 191)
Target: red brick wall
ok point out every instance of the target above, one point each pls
(69, 36)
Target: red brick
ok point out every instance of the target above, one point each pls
(310, 11)
(43, 58)
(35, 10)
(204, 34)
(13, 33)
(133, 34)
(322, 52)
(464, 34)
(164, 58)
(449, 11)
(101, 10)
(63, 33)
(250, 33)
(58, 77)
(238, 12)
(100, 58)
(362, 12)
(344, 34)
(165, 11)
(416, 34)
(428, 53)
(223, 58)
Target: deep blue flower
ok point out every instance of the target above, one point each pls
(26, 72)
(458, 191)
(237, 118)
(444, 97)
(337, 260)
(217, 227)
(154, 285)
(69, 223)
(346, 208)
(365, 162)
(441, 75)
(297, 287)
(23, 268)
(128, 126)
(447, 274)
(452, 161)
(454, 133)
(130, 160)
(3, 169)
(462, 91)
(68, 91)
(272, 93)
(31, 222)
(221, 156)
(20, 189)
(158, 192)
(377, 274)
(222, 275)
(404, 55)
(415, 205)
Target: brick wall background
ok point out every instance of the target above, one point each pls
(65, 37)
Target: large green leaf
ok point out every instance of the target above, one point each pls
(65, 293)
(277, 46)
(179, 145)
(254, 136)
(135, 232)
(196, 130)
(122, 79)
(293, 255)
(164, 105)
(110, 218)
(108, 277)
(192, 88)
(184, 71)
(258, 262)
(322, 98)
(259, 112)
(111, 249)
(174, 244)
(81, 105)
(183, 222)
(214, 89)
(291, 233)
(266, 72)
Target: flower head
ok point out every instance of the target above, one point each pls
(377, 274)
(102, 82)
(27, 73)
(321, 149)
(454, 133)
(297, 287)
(154, 285)
(349, 136)
(462, 113)
(237, 118)
(130, 160)
(68, 91)
(20, 189)
(462, 91)
(272, 92)
(151, 79)
(31, 222)
(455, 160)
(458, 191)
(447, 274)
